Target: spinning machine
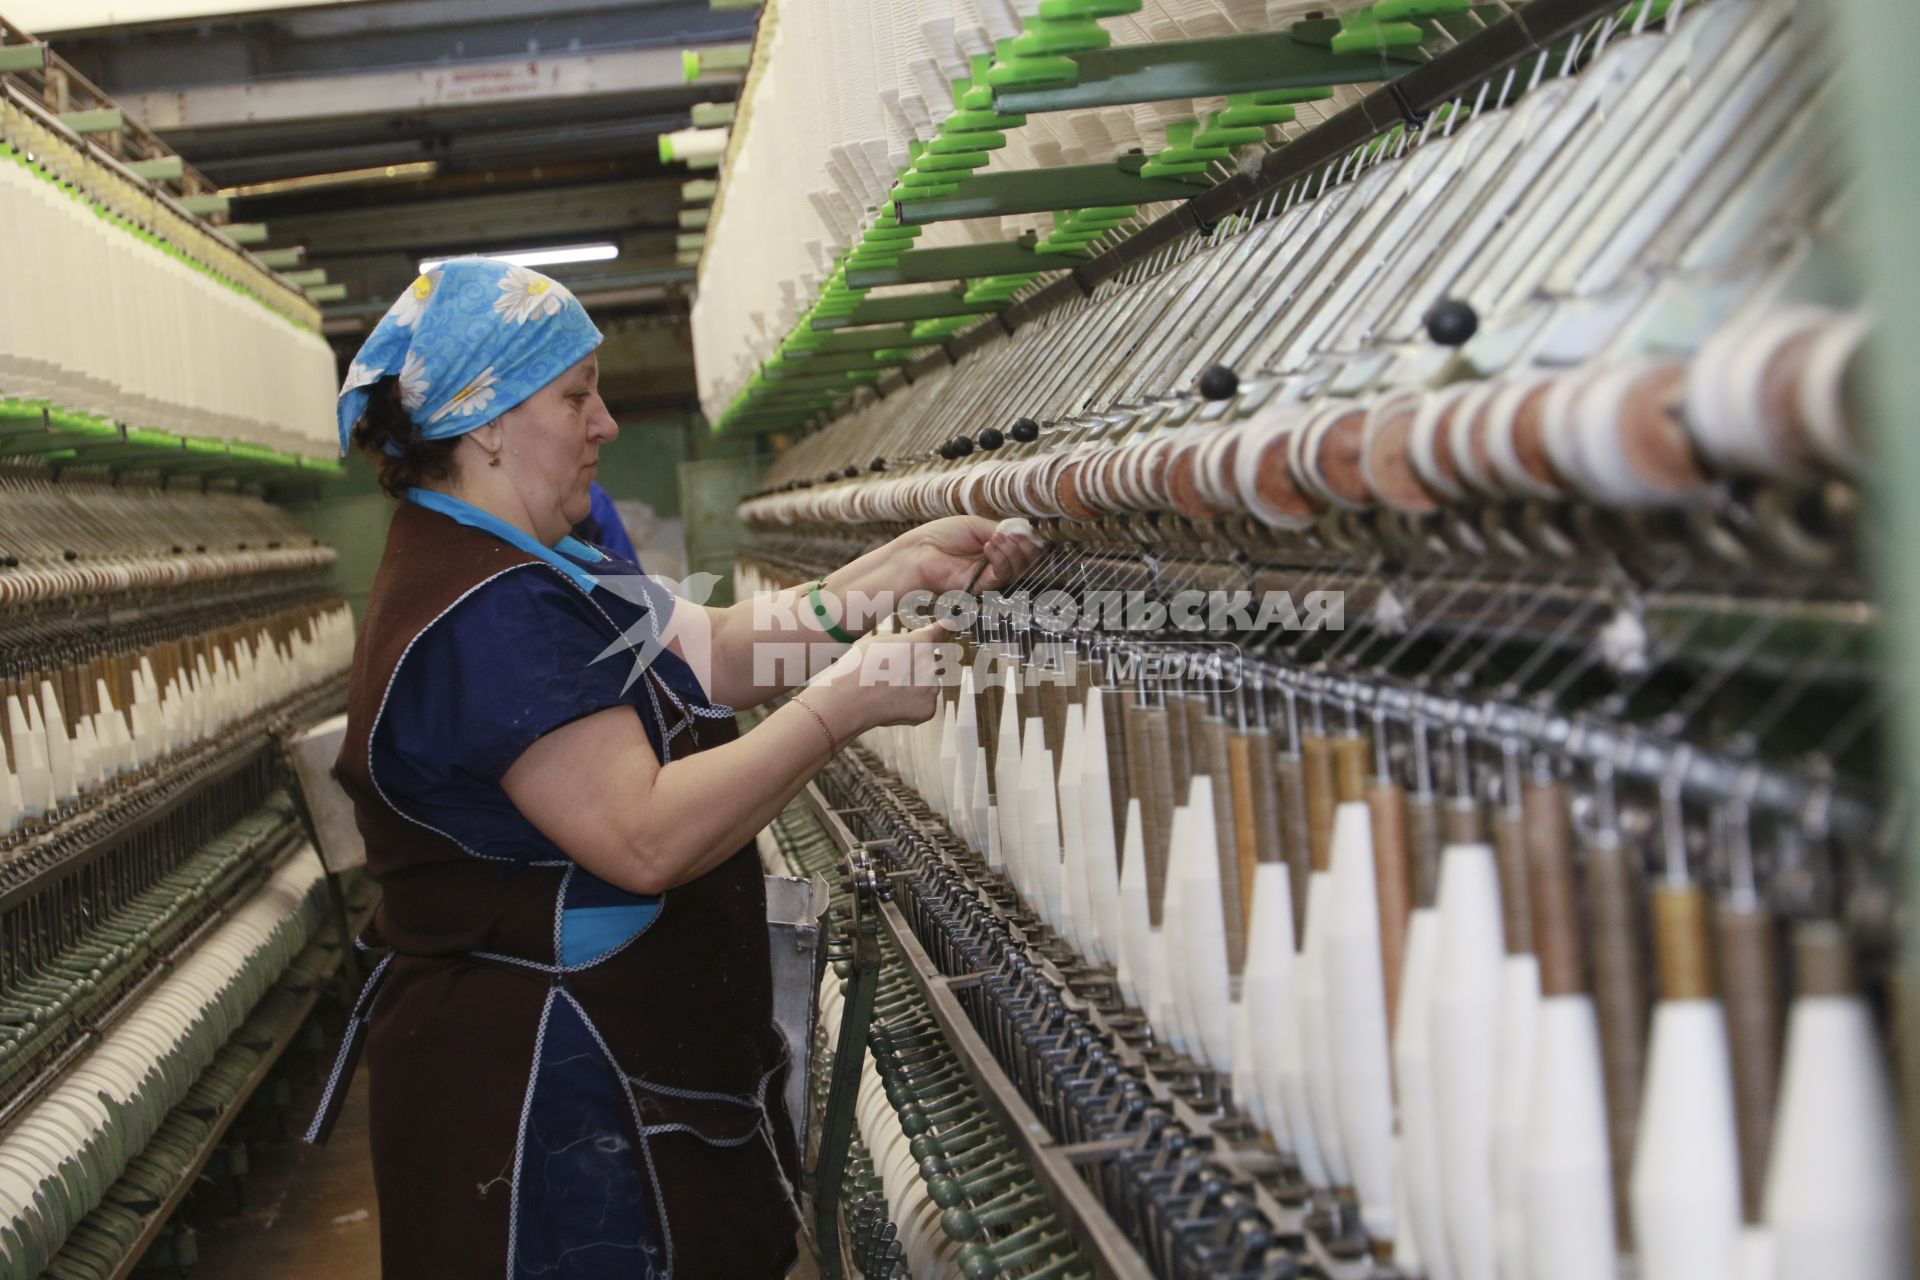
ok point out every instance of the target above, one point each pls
(165, 926)
(1421, 814)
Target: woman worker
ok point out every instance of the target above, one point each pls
(575, 1069)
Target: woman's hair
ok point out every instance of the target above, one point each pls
(411, 459)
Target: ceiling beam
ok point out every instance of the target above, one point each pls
(484, 222)
(497, 84)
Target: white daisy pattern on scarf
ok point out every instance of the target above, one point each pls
(407, 308)
(414, 382)
(527, 295)
(471, 399)
(359, 375)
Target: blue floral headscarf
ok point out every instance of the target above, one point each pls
(468, 340)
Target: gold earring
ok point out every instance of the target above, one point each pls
(494, 461)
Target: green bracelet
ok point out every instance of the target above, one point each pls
(820, 612)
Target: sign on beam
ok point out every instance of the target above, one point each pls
(160, 168)
(46, 16)
(22, 57)
(99, 120)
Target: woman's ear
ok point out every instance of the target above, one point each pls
(491, 438)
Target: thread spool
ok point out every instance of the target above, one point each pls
(1631, 448)
(1836, 1194)
(1429, 450)
(1263, 477)
(1386, 467)
(1183, 486)
(1686, 1175)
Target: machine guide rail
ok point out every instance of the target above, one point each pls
(1276, 1218)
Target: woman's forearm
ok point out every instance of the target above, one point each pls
(767, 645)
(701, 809)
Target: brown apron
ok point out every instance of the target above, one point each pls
(477, 1036)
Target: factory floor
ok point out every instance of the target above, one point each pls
(310, 1211)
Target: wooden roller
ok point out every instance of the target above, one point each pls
(1748, 946)
(1620, 996)
(1290, 779)
(1387, 810)
(1322, 794)
(1555, 901)
(1178, 710)
(1208, 736)
(1686, 1176)
(1256, 827)
(1153, 783)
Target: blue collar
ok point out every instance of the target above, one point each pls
(474, 518)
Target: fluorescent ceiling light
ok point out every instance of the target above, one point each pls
(417, 169)
(559, 255)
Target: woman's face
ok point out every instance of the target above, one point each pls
(550, 444)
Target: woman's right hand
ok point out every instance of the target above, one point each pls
(884, 679)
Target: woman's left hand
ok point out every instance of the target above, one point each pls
(941, 555)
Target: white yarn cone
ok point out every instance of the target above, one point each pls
(29, 760)
(1686, 1158)
(1134, 958)
(10, 806)
(1041, 824)
(1465, 1035)
(1419, 1154)
(1163, 1008)
(1077, 911)
(1267, 995)
(986, 821)
(1836, 1193)
(1246, 1082)
(1316, 1030)
(1513, 1086)
(1006, 787)
(1357, 1019)
(1568, 1217)
(60, 762)
(966, 747)
(1096, 830)
(1204, 940)
(1407, 1258)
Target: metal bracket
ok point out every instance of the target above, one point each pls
(862, 975)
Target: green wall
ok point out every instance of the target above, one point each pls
(644, 463)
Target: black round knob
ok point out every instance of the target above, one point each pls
(803, 484)
(1026, 431)
(70, 554)
(1219, 382)
(946, 450)
(830, 477)
(961, 446)
(992, 439)
(1451, 322)
(850, 471)
(878, 464)
(177, 548)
